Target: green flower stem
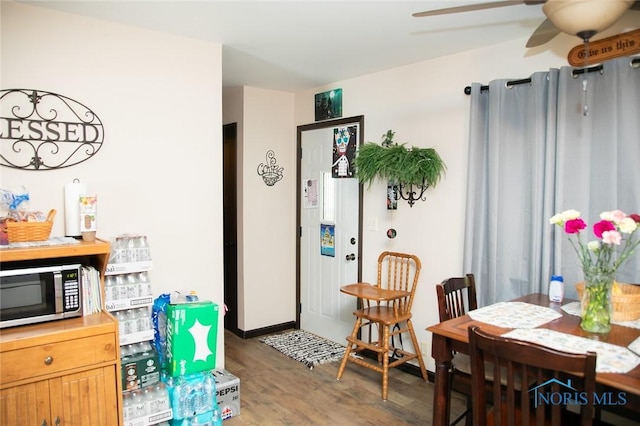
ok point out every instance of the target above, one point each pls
(596, 301)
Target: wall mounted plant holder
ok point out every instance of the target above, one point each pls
(409, 193)
(270, 171)
(42, 130)
(413, 169)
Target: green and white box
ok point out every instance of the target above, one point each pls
(192, 332)
(227, 393)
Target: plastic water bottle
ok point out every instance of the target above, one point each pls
(121, 287)
(209, 393)
(143, 318)
(217, 417)
(123, 323)
(192, 296)
(151, 399)
(139, 404)
(143, 248)
(556, 289)
(132, 286)
(178, 400)
(162, 397)
(127, 410)
(110, 289)
(145, 284)
(132, 321)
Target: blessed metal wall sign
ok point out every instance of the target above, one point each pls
(41, 130)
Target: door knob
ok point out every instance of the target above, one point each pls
(351, 256)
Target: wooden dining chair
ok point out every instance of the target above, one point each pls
(457, 296)
(387, 321)
(549, 373)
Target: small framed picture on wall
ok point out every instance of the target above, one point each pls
(328, 105)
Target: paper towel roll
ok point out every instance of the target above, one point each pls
(72, 193)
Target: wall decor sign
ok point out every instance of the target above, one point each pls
(328, 104)
(310, 193)
(345, 140)
(270, 171)
(40, 130)
(594, 52)
(327, 240)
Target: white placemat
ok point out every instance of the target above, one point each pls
(573, 308)
(514, 315)
(635, 346)
(611, 358)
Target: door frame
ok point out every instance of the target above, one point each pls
(358, 119)
(230, 208)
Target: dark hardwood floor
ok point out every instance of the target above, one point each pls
(277, 390)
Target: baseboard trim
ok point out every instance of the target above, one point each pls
(264, 330)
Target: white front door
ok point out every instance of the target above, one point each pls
(329, 232)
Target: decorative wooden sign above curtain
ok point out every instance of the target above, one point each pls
(41, 130)
(270, 171)
(594, 52)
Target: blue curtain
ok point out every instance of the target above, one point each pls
(568, 139)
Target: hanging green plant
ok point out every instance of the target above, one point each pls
(394, 162)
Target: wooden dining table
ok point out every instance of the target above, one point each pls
(452, 335)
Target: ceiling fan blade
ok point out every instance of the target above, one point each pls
(544, 33)
(473, 7)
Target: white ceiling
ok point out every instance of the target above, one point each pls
(291, 45)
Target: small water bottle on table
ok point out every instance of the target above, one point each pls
(556, 289)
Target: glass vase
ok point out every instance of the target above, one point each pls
(596, 301)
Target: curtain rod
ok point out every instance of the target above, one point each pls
(634, 62)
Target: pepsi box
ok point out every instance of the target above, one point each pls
(227, 393)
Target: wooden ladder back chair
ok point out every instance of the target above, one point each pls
(452, 294)
(457, 296)
(398, 272)
(540, 371)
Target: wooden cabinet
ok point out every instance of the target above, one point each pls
(25, 404)
(62, 372)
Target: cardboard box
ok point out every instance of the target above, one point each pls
(192, 332)
(227, 393)
(140, 370)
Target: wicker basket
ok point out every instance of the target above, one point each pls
(19, 232)
(626, 306)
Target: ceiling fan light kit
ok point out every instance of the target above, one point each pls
(585, 18)
(582, 18)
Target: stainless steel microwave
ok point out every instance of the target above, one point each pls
(40, 294)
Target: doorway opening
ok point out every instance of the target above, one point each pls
(230, 211)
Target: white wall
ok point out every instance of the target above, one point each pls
(268, 237)
(425, 105)
(266, 225)
(159, 171)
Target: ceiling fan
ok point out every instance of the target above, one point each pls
(583, 18)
